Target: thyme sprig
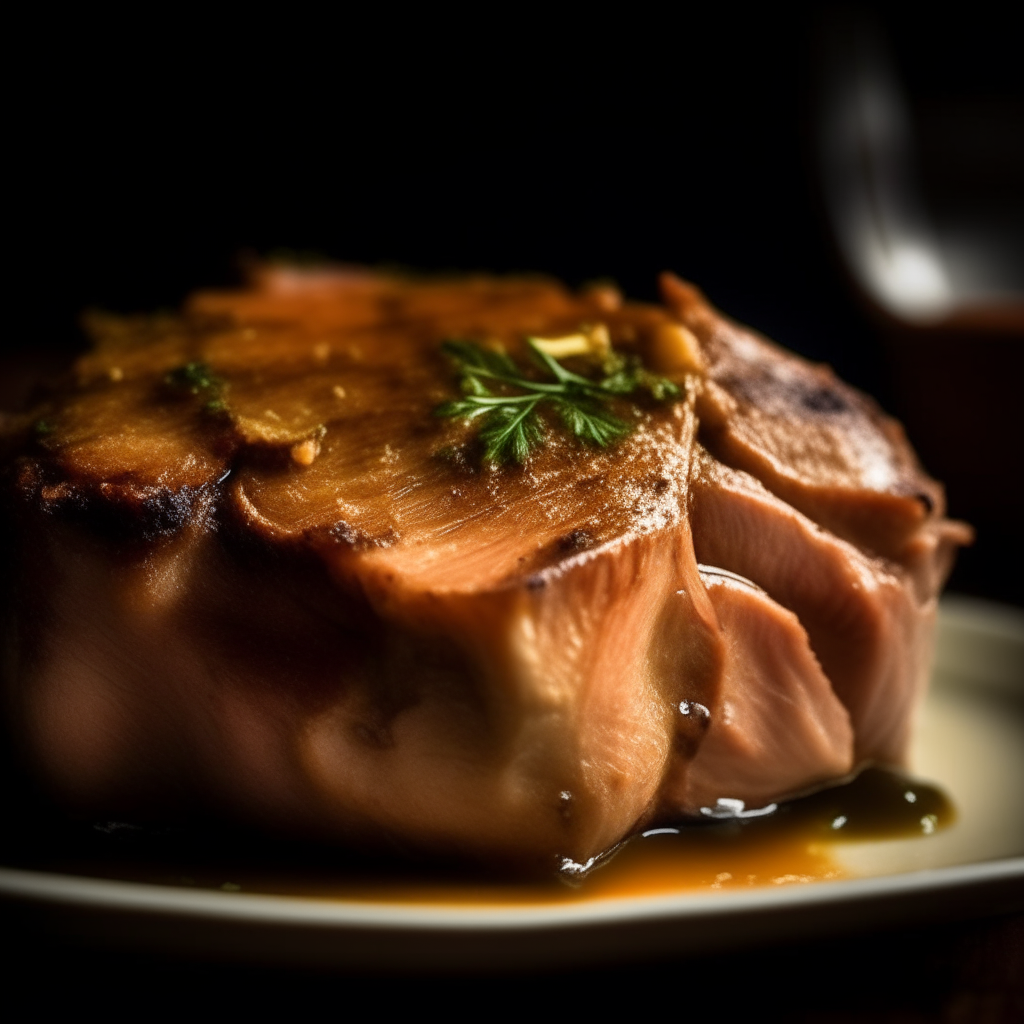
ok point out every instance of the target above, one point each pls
(508, 404)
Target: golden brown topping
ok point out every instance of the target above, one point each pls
(675, 349)
(306, 451)
(591, 340)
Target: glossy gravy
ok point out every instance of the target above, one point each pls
(790, 846)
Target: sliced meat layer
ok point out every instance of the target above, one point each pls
(866, 623)
(777, 728)
(818, 444)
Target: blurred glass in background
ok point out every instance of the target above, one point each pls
(925, 205)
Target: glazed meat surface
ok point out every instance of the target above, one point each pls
(255, 573)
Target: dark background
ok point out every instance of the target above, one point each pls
(149, 157)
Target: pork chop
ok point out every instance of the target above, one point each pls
(256, 573)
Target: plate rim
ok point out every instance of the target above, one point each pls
(171, 901)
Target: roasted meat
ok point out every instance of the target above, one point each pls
(256, 574)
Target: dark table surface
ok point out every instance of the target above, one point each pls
(970, 971)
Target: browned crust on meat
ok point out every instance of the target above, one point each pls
(293, 340)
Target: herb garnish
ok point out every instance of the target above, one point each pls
(198, 379)
(508, 403)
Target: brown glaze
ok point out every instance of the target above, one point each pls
(793, 846)
(292, 592)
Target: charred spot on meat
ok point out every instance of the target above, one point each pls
(602, 565)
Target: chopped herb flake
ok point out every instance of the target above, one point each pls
(193, 379)
(199, 380)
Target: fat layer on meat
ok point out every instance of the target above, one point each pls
(294, 595)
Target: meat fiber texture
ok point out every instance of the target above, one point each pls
(292, 595)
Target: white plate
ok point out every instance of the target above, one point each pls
(970, 741)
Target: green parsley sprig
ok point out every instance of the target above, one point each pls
(508, 404)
